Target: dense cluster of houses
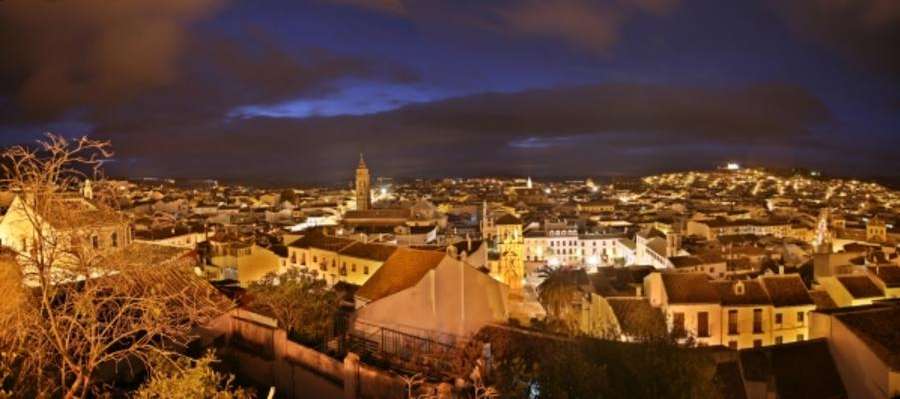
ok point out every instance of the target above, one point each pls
(762, 264)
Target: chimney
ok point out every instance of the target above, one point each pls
(638, 291)
(780, 269)
(468, 242)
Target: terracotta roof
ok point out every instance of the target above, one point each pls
(787, 290)
(798, 370)
(860, 286)
(878, 326)
(369, 251)
(329, 243)
(403, 269)
(889, 275)
(689, 288)
(685, 261)
(507, 219)
(138, 253)
(386, 213)
(753, 293)
(822, 299)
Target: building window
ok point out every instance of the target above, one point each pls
(114, 238)
(779, 340)
(678, 324)
(732, 344)
(800, 317)
(95, 242)
(365, 270)
(353, 267)
(757, 321)
(777, 318)
(799, 337)
(732, 322)
(703, 324)
(757, 343)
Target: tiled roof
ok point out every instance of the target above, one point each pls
(822, 299)
(403, 269)
(689, 288)
(507, 219)
(685, 261)
(753, 293)
(369, 251)
(787, 290)
(378, 214)
(879, 327)
(329, 243)
(799, 370)
(890, 275)
(860, 286)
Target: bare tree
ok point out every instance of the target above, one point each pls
(85, 313)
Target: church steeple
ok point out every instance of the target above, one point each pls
(362, 162)
(363, 186)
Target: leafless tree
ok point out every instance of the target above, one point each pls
(81, 315)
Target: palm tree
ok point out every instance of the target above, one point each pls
(557, 292)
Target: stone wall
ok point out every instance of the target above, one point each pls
(262, 354)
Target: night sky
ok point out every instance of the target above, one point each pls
(293, 90)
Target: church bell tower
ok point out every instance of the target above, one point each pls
(363, 186)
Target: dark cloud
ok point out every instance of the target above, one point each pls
(143, 62)
(476, 133)
(222, 74)
(865, 31)
(585, 24)
(62, 54)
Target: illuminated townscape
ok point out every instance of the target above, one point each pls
(450, 199)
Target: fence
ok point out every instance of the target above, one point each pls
(264, 355)
(425, 353)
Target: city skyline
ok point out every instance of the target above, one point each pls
(448, 199)
(291, 90)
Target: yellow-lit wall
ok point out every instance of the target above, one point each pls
(745, 336)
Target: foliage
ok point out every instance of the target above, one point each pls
(70, 309)
(306, 307)
(540, 365)
(556, 293)
(188, 378)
